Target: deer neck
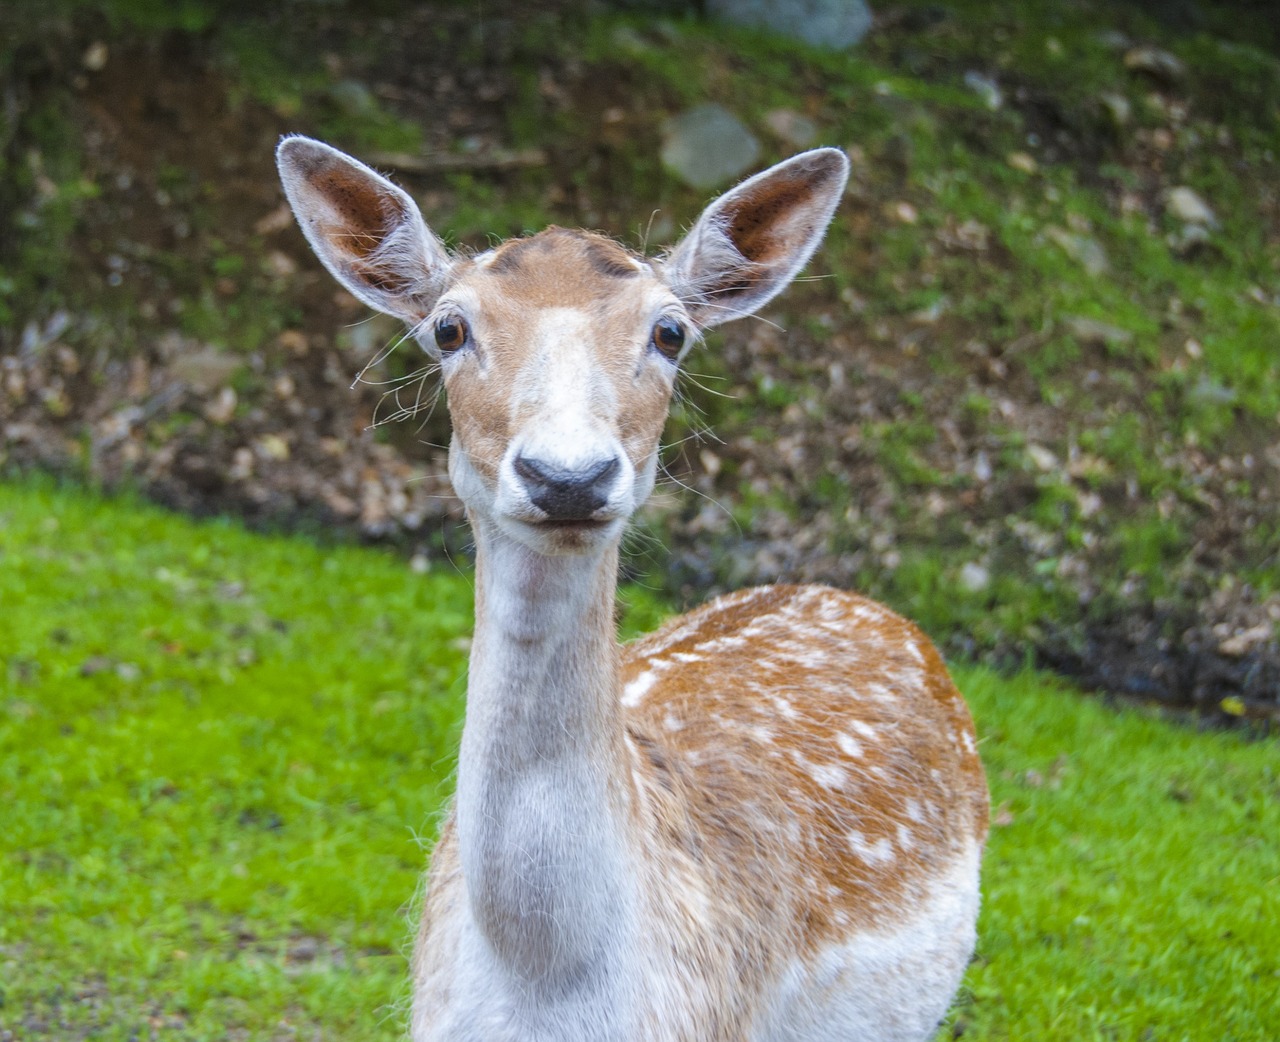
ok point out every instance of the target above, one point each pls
(543, 804)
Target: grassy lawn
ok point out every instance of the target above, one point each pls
(221, 755)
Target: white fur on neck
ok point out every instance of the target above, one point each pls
(542, 813)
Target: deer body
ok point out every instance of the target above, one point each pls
(763, 821)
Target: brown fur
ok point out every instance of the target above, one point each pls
(700, 728)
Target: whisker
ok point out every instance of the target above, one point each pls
(666, 472)
(709, 390)
(378, 359)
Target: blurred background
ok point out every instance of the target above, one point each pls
(1028, 393)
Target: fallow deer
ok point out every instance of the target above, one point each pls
(763, 821)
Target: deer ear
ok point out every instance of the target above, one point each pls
(752, 241)
(365, 230)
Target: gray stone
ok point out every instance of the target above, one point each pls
(1113, 40)
(707, 146)
(1117, 107)
(820, 23)
(985, 87)
(353, 98)
(206, 369)
(1185, 205)
(1160, 65)
(1083, 249)
(1093, 331)
(797, 130)
(1208, 391)
(974, 577)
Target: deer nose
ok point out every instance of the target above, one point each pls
(567, 494)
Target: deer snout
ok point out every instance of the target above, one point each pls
(567, 493)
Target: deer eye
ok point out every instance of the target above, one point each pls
(668, 337)
(451, 334)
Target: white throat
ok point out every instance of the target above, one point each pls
(543, 806)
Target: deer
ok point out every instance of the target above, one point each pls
(763, 821)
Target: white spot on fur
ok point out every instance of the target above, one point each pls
(761, 734)
(878, 853)
(672, 723)
(828, 775)
(635, 691)
(906, 840)
(880, 693)
(722, 644)
(848, 744)
(866, 730)
(784, 707)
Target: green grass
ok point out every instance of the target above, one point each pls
(1132, 882)
(221, 753)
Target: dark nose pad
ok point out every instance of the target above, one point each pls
(567, 495)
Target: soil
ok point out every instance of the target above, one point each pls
(280, 435)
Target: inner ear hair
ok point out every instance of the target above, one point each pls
(366, 230)
(755, 238)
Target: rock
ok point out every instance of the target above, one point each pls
(1160, 65)
(1022, 161)
(1117, 108)
(276, 221)
(708, 146)
(1240, 643)
(353, 98)
(982, 469)
(835, 24)
(1088, 252)
(1211, 392)
(902, 212)
(1189, 239)
(95, 56)
(221, 409)
(795, 129)
(1183, 204)
(1113, 40)
(1094, 331)
(985, 87)
(930, 315)
(1044, 460)
(974, 577)
(280, 264)
(205, 369)
(272, 447)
